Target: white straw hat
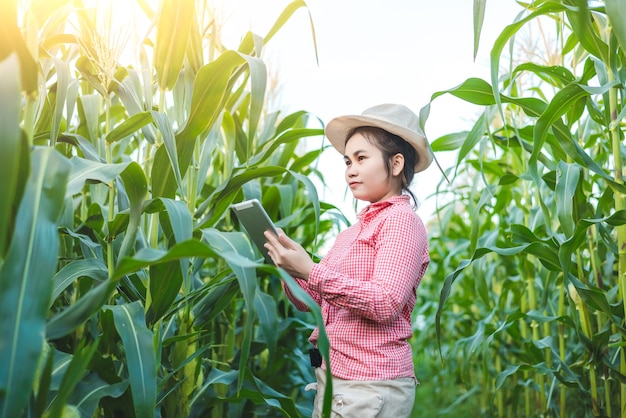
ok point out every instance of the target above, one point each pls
(394, 118)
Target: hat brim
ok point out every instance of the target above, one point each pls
(337, 131)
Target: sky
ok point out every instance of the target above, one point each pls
(372, 52)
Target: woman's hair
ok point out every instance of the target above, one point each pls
(390, 145)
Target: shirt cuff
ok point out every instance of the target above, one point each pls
(315, 277)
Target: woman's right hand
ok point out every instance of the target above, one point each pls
(288, 254)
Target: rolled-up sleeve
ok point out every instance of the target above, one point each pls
(301, 306)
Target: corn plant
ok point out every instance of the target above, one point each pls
(127, 287)
(531, 251)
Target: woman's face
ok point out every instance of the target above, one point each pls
(366, 174)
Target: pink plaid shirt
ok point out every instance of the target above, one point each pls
(366, 287)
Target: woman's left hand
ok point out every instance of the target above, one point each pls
(288, 255)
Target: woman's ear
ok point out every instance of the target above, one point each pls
(397, 164)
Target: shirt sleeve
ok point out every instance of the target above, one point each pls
(401, 258)
(301, 306)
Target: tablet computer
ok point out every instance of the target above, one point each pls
(256, 221)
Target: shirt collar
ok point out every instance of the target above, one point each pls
(373, 209)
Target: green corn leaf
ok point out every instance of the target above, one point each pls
(472, 90)
(208, 97)
(84, 171)
(265, 307)
(563, 100)
(89, 267)
(280, 199)
(181, 224)
(171, 43)
(209, 91)
(255, 391)
(165, 283)
(90, 248)
(129, 92)
(293, 135)
(597, 299)
(581, 20)
(62, 87)
(89, 109)
(511, 370)
(225, 242)
(195, 50)
(537, 108)
(166, 278)
(216, 376)
(58, 39)
(235, 140)
(13, 44)
(556, 75)
(485, 197)
(449, 142)
(82, 143)
(284, 18)
(475, 135)
(258, 78)
(546, 8)
(566, 184)
(208, 147)
(479, 17)
(218, 298)
(129, 126)
(221, 199)
(162, 181)
(72, 377)
(297, 120)
(169, 140)
(14, 159)
(146, 257)
(30, 264)
(91, 389)
(313, 197)
(616, 11)
(264, 394)
(136, 188)
(579, 237)
(45, 382)
(308, 161)
(176, 219)
(140, 356)
(60, 363)
(66, 321)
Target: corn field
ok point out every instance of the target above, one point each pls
(128, 288)
(530, 235)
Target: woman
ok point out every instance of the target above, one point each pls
(366, 285)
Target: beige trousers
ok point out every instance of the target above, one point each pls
(365, 398)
